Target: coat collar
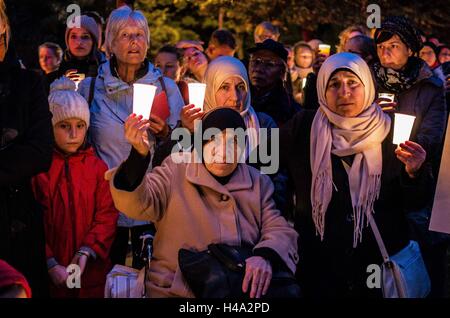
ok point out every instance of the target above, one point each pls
(114, 84)
(196, 173)
(79, 155)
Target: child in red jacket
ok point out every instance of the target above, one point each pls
(80, 218)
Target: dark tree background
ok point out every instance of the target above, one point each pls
(34, 22)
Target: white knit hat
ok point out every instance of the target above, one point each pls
(66, 103)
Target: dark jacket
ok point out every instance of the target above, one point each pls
(426, 101)
(48, 79)
(277, 103)
(88, 66)
(332, 267)
(25, 150)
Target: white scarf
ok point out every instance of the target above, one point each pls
(343, 136)
(219, 70)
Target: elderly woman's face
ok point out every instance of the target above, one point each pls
(232, 93)
(345, 94)
(80, 42)
(393, 53)
(221, 154)
(130, 45)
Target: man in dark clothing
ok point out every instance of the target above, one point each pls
(271, 90)
(25, 150)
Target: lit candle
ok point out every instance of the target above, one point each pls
(402, 128)
(389, 96)
(324, 49)
(143, 95)
(197, 94)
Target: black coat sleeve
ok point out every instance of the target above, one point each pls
(32, 153)
(132, 171)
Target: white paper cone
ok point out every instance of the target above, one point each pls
(402, 128)
(143, 95)
(197, 94)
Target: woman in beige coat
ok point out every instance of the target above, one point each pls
(194, 204)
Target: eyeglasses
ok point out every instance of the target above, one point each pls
(264, 62)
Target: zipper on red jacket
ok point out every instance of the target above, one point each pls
(71, 201)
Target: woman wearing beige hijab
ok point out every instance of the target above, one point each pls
(346, 169)
(227, 85)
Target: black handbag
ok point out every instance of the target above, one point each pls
(218, 272)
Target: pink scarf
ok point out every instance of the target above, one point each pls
(343, 136)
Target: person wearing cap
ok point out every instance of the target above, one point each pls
(81, 58)
(25, 150)
(210, 196)
(271, 89)
(79, 216)
(420, 93)
(127, 40)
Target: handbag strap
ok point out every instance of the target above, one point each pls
(380, 242)
(231, 259)
(397, 276)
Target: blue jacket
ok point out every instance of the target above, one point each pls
(112, 103)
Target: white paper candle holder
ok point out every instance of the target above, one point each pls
(402, 128)
(143, 95)
(197, 94)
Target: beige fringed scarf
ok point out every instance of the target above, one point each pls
(343, 136)
(217, 72)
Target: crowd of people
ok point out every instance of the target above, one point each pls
(83, 178)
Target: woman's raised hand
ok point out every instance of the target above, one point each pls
(188, 115)
(135, 128)
(412, 155)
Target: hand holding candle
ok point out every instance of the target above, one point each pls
(143, 95)
(412, 155)
(135, 130)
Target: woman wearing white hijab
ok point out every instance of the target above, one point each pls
(227, 85)
(345, 168)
